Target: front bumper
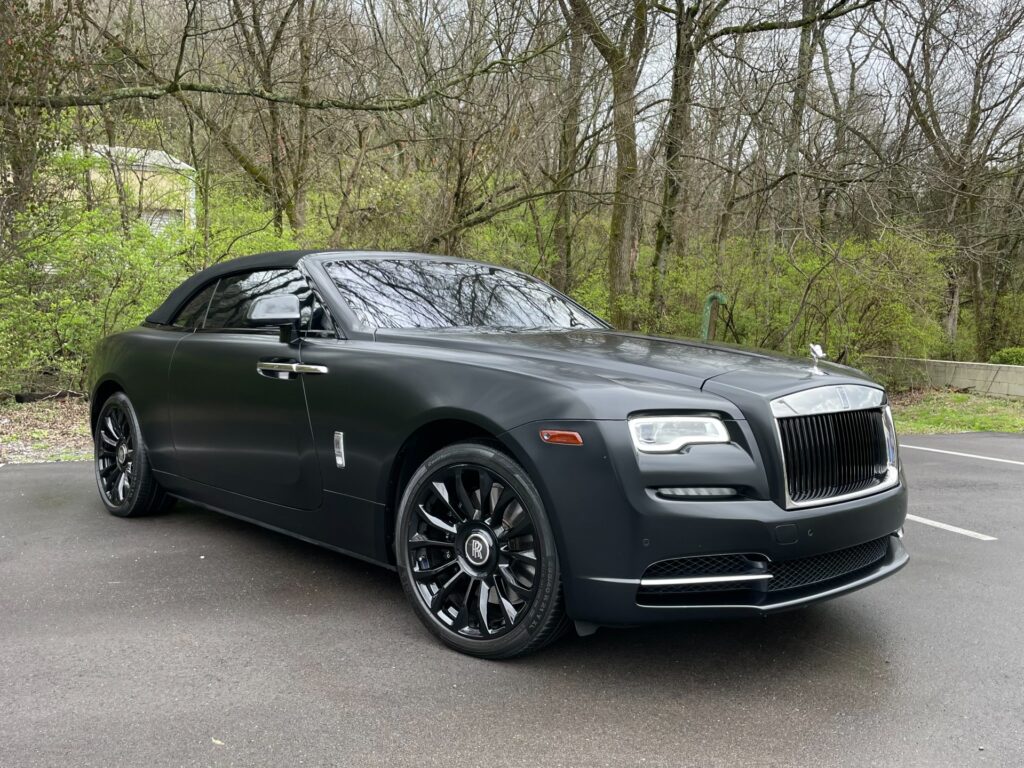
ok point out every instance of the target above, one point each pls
(610, 528)
(602, 594)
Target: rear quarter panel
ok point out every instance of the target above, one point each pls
(137, 362)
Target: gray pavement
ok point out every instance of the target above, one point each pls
(192, 639)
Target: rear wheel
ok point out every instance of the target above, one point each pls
(477, 556)
(123, 475)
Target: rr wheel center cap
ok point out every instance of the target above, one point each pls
(477, 549)
(121, 454)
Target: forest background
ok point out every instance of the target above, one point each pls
(841, 172)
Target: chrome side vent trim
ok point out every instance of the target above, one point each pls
(339, 449)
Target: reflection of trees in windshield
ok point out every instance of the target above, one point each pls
(420, 293)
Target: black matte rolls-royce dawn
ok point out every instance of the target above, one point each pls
(521, 464)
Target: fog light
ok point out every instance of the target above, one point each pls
(693, 493)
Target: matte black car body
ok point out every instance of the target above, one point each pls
(220, 435)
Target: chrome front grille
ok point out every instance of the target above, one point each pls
(829, 455)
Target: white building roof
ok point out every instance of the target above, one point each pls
(138, 158)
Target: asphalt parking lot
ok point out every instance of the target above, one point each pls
(192, 639)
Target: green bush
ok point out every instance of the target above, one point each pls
(1008, 356)
(76, 280)
(78, 275)
(880, 296)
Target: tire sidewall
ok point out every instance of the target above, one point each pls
(549, 576)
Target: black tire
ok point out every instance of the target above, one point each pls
(473, 540)
(123, 475)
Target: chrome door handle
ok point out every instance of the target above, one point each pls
(264, 366)
(267, 367)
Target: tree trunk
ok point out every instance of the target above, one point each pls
(623, 57)
(805, 60)
(568, 154)
(678, 136)
(623, 232)
(117, 174)
(951, 321)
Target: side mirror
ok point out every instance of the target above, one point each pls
(281, 310)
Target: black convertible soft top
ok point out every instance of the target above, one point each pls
(163, 314)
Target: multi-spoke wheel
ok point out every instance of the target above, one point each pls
(476, 553)
(125, 481)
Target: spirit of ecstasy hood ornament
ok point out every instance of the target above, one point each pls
(817, 353)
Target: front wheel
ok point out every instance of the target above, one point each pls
(123, 475)
(476, 554)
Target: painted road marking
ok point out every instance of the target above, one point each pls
(965, 455)
(952, 528)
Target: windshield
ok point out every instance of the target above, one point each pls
(424, 293)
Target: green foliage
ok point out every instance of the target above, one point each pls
(74, 282)
(1008, 356)
(79, 275)
(383, 212)
(592, 292)
(232, 225)
(854, 297)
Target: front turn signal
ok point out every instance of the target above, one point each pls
(561, 437)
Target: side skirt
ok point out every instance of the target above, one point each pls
(343, 524)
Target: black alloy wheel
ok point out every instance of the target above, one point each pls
(115, 454)
(477, 555)
(123, 475)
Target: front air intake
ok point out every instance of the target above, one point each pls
(751, 579)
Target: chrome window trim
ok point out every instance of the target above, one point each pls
(831, 398)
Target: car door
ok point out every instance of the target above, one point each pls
(238, 424)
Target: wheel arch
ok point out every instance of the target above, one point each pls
(102, 391)
(438, 433)
(441, 430)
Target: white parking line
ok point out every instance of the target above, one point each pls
(966, 455)
(952, 528)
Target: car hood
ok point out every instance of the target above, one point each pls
(633, 359)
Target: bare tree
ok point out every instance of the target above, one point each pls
(623, 51)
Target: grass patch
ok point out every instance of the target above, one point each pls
(48, 430)
(930, 412)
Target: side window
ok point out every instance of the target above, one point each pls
(192, 314)
(236, 292)
(320, 323)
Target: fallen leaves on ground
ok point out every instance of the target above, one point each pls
(48, 430)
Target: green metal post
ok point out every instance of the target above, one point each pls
(705, 326)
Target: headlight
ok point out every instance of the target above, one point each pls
(892, 447)
(670, 434)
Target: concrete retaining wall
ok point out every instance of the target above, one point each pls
(983, 378)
